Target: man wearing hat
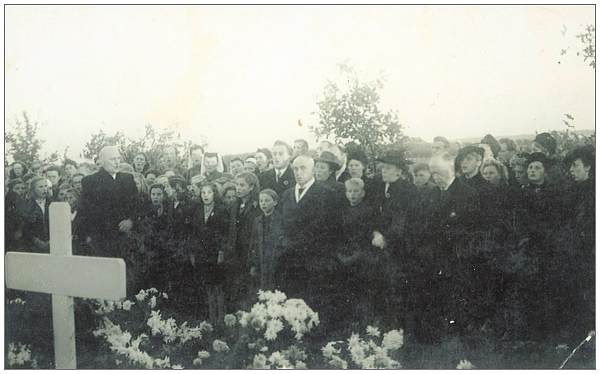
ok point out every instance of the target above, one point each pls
(469, 160)
(326, 165)
(392, 198)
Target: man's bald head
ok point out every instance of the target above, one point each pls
(303, 168)
(109, 159)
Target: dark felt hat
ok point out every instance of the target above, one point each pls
(538, 156)
(329, 158)
(395, 157)
(463, 152)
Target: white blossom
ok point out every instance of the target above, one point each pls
(465, 364)
(220, 346)
(229, 320)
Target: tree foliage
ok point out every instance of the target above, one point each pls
(21, 140)
(153, 143)
(588, 39)
(353, 113)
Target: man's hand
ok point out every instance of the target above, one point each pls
(88, 240)
(252, 271)
(378, 240)
(125, 225)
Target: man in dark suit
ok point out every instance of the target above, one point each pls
(107, 207)
(311, 226)
(280, 177)
(457, 277)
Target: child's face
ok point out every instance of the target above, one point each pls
(242, 187)
(236, 167)
(422, 177)
(156, 195)
(355, 195)
(207, 194)
(267, 204)
(230, 197)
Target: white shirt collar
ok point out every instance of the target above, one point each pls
(340, 171)
(304, 189)
(449, 183)
(280, 171)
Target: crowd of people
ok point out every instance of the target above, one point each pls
(493, 239)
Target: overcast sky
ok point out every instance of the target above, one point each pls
(243, 76)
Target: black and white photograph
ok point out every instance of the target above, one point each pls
(299, 186)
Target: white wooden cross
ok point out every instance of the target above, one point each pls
(65, 276)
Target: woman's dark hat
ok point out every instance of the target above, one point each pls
(395, 157)
(540, 157)
(329, 158)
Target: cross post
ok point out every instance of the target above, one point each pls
(65, 276)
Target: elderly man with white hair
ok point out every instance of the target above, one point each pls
(107, 207)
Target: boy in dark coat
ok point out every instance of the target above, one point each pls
(267, 241)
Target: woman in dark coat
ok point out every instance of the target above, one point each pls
(13, 204)
(577, 243)
(209, 225)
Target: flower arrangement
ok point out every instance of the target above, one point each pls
(19, 356)
(141, 337)
(374, 353)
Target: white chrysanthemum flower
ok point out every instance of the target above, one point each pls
(279, 361)
(373, 331)
(220, 346)
(152, 302)
(154, 322)
(260, 362)
(300, 365)
(465, 364)
(337, 363)
(244, 319)
(141, 295)
(203, 355)
(393, 339)
(164, 363)
(368, 362)
(229, 320)
(127, 305)
(274, 326)
(357, 348)
(206, 327)
(330, 350)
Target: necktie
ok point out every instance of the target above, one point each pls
(300, 190)
(277, 175)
